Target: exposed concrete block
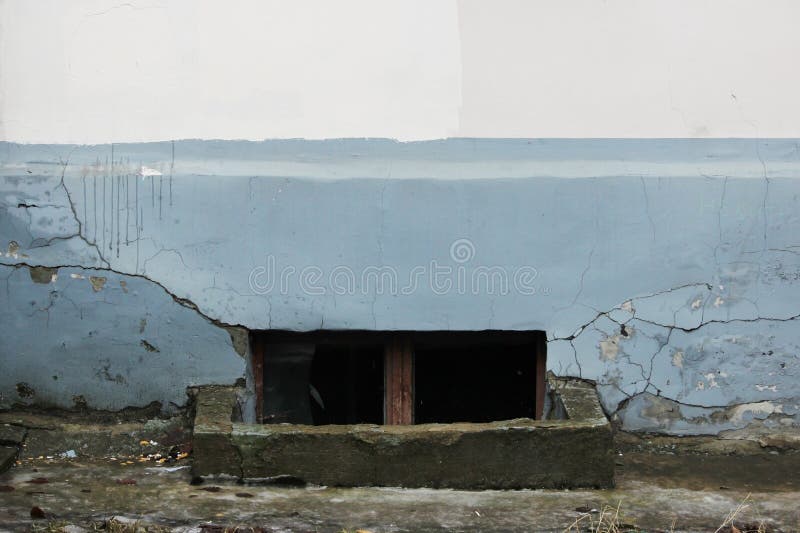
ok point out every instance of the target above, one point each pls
(510, 454)
(213, 450)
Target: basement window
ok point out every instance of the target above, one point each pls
(367, 377)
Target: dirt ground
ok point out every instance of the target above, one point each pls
(73, 474)
(655, 492)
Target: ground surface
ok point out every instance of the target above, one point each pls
(655, 492)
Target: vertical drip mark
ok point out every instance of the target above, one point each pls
(153, 192)
(119, 184)
(127, 207)
(111, 175)
(138, 228)
(111, 234)
(103, 236)
(171, 167)
(94, 208)
(85, 219)
(160, 189)
(136, 214)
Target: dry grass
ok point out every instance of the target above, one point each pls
(610, 520)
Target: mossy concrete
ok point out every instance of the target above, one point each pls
(214, 452)
(511, 454)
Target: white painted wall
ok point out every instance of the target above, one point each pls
(92, 71)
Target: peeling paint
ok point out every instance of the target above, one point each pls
(609, 348)
(677, 359)
(240, 338)
(711, 379)
(765, 408)
(24, 390)
(147, 171)
(13, 250)
(43, 275)
(98, 282)
(149, 347)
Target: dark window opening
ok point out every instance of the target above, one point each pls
(346, 384)
(359, 377)
(474, 383)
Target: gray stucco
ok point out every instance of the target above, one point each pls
(692, 245)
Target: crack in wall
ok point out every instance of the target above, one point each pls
(185, 302)
(646, 386)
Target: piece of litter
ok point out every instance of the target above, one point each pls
(69, 454)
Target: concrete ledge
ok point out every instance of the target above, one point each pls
(512, 454)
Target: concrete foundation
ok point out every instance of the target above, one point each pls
(512, 454)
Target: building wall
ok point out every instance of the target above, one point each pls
(133, 271)
(100, 71)
(666, 270)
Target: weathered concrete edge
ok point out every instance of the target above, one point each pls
(578, 398)
(512, 454)
(212, 446)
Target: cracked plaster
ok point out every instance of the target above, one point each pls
(667, 271)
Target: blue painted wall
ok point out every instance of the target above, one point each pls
(667, 270)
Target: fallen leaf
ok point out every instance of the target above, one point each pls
(126, 481)
(37, 513)
(735, 529)
(6, 488)
(86, 490)
(243, 495)
(210, 489)
(39, 480)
